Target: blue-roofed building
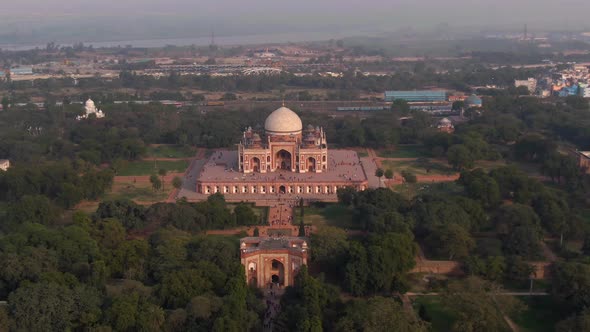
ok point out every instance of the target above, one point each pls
(417, 95)
(21, 71)
(569, 91)
(473, 101)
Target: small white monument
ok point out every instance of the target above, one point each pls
(90, 108)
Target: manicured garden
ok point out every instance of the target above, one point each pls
(541, 315)
(326, 214)
(139, 191)
(441, 320)
(403, 151)
(410, 190)
(420, 167)
(170, 151)
(145, 167)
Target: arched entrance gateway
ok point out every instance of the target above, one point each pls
(283, 160)
(273, 260)
(282, 190)
(311, 164)
(277, 271)
(255, 164)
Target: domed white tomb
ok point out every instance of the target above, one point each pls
(283, 121)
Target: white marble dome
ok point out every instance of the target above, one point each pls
(283, 121)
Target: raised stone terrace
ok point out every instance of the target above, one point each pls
(344, 166)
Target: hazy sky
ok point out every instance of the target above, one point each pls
(166, 18)
(440, 10)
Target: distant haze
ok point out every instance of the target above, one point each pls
(105, 20)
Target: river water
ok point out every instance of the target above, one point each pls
(203, 41)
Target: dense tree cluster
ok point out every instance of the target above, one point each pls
(213, 213)
(90, 274)
(33, 191)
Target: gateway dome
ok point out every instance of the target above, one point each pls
(283, 121)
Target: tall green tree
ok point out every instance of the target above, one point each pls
(156, 182)
(450, 240)
(378, 314)
(460, 157)
(357, 270)
(478, 306)
(571, 284)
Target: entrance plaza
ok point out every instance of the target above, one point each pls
(220, 175)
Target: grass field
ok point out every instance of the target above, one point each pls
(403, 151)
(139, 191)
(418, 167)
(440, 319)
(170, 151)
(140, 168)
(541, 315)
(410, 190)
(488, 165)
(329, 214)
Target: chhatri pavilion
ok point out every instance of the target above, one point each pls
(283, 159)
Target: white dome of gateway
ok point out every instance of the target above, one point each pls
(283, 121)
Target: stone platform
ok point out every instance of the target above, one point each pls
(219, 175)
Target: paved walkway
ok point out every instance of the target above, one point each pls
(548, 253)
(370, 167)
(281, 214)
(272, 297)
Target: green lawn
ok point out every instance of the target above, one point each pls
(488, 165)
(410, 190)
(541, 315)
(418, 167)
(137, 192)
(328, 214)
(145, 167)
(441, 320)
(170, 151)
(403, 151)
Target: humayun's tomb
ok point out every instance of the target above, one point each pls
(284, 159)
(278, 167)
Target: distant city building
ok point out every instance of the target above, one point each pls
(473, 101)
(530, 84)
(584, 90)
(455, 98)
(90, 108)
(572, 90)
(417, 95)
(4, 164)
(265, 54)
(446, 126)
(433, 108)
(272, 260)
(21, 71)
